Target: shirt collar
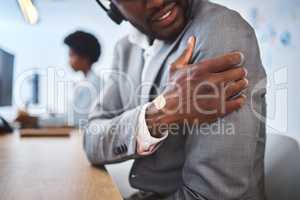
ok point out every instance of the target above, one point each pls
(141, 40)
(138, 38)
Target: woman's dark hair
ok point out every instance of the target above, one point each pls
(84, 44)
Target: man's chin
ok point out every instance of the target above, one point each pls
(170, 33)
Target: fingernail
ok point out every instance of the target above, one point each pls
(246, 72)
(242, 59)
(190, 41)
(243, 100)
(247, 82)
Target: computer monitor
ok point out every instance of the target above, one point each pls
(6, 78)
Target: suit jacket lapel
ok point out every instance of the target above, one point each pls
(156, 65)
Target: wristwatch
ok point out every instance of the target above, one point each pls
(160, 102)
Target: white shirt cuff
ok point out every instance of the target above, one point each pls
(146, 144)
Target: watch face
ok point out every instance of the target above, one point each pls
(160, 102)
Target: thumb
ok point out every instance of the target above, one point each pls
(187, 54)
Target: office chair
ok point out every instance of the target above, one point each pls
(282, 168)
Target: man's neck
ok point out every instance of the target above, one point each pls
(86, 71)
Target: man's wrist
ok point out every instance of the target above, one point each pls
(156, 120)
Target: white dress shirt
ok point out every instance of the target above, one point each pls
(84, 93)
(146, 144)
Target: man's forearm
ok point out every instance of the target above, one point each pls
(111, 140)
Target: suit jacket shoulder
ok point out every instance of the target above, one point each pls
(212, 20)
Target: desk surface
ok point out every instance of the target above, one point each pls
(50, 168)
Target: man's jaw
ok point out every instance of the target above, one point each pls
(165, 16)
(166, 22)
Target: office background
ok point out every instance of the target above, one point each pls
(40, 48)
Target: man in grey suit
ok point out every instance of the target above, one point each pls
(177, 108)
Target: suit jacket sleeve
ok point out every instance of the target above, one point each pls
(110, 136)
(221, 158)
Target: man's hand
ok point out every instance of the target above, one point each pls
(26, 121)
(201, 92)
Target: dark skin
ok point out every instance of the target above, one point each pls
(78, 63)
(145, 15)
(165, 20)
(223, 80)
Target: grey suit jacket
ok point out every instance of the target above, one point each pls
(205, 163)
